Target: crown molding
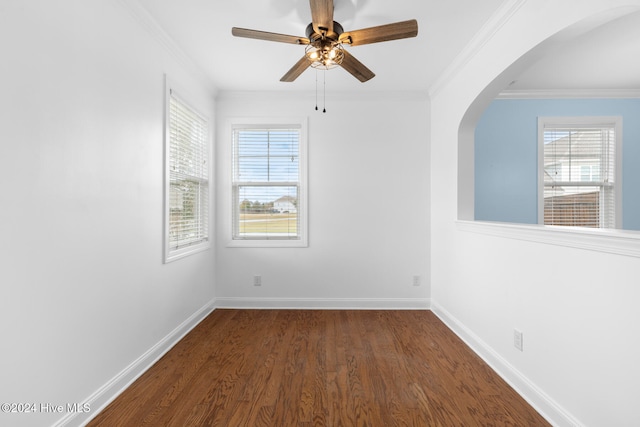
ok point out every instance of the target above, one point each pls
(569, 93)
(482, 37)
(146, 21)
(342, 96)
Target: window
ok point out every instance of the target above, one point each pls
(580, 182)
(186, 179)
(269, 184)
(590, 173)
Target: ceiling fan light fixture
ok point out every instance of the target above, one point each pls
(325, 56)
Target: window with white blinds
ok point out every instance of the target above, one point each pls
(580, 183)
(187, 180)
(268, 188)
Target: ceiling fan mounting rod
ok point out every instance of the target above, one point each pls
(334, 35)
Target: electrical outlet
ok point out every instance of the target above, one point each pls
(517, 339)
(416, 280)
(257, 280)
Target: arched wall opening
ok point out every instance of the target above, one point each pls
(466, 130)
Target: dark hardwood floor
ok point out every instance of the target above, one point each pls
(319, 368)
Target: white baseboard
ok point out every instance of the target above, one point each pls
(540, 401)
(109, 391)
(546, 406)
(325, 303)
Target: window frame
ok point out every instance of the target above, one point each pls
(170, 253)
(585, 122)
(303, 213)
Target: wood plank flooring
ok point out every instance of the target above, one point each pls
(319, 368)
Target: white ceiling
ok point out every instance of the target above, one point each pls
(202, 29)
(605, 58)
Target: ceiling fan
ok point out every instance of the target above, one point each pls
(325, 38)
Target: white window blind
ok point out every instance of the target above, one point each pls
(267, 185)
(188, 178)
(579, 175)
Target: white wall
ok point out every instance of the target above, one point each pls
(368, 205)
(84, 290)
(579, 364)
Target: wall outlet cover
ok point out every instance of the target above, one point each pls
(518, 339)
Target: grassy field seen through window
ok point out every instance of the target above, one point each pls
(275, 223)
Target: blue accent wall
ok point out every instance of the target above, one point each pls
(506, 155)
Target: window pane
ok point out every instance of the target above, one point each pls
(188, 212)
(267, 212)
(585, 173)
(572, 206)
(573, 150)
(267, 155)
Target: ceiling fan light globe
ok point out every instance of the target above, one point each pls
(324, 56)
(312, 53)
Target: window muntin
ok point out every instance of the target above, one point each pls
(187, 180)
(268, 184)
(580, 183)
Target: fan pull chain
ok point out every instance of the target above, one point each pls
(316, 89)
(324, 92)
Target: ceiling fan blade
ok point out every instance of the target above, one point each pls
(356, 68)
(381, 33)
(264, 35)
(322, 15)
(296, 70)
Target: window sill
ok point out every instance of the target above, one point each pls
(174, 255)
(619, 242)
(266, 243)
